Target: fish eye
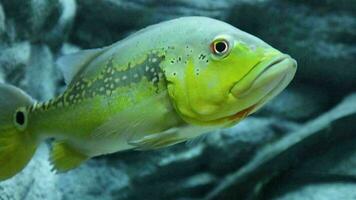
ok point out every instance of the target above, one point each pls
(220, 47)
(20, 118)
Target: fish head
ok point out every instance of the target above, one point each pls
(229, 75)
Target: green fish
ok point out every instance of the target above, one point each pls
(163, 85)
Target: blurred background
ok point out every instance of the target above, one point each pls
(302, 145)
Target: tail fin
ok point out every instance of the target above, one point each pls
(16, 144)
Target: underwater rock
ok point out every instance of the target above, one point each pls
(324, 191)
(29, 41)
(31, 67)
(47, 21)
(283, 158)
(122, 17)
(13, 60)
(2, 21)
(233, 147)
(298, 103)
(63, 24)
(2, 78)
(320, 34)
(329, 169)
(35, 16)
(40, 72)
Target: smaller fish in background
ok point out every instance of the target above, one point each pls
(165, 84)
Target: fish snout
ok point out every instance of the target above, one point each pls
(273, 75)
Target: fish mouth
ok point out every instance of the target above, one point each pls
(272, 77)
(265, 75)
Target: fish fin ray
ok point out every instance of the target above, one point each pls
(64, 157)
(169, 137)
(157, 140)
(197, 140)
(71, 64)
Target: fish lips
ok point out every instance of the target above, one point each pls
(273, 75)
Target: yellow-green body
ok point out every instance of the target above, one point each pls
(165, 84)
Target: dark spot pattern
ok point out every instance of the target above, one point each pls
(197, 71)
(107, 81)
(203, 57)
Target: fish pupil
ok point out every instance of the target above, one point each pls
(20, 118)
(220, 47)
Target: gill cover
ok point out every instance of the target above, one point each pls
(201, 90)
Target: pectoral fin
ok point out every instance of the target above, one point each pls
(158, 140)
(64, 157)
(169, 137)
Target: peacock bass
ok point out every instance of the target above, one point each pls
(165, 84)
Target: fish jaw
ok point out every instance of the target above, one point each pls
(278, 72)
(273, 77)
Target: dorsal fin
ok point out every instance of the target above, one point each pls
(71, 64)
